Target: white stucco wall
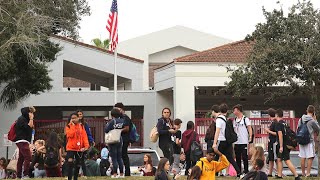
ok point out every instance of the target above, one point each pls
(166, 56)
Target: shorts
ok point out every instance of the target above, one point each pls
(272, 156)
(285, 155)
(307, 151)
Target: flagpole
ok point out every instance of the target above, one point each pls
(115, 83)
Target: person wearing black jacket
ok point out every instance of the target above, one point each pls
(165, 129)
(23, 129)
(125, 137)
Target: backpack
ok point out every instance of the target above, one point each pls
(208, 137)
(289, 137)
(51, 158)
(12, 132)
(230, 135)
(133, 136)
(303, 135)
(195, 150)
(252, 136)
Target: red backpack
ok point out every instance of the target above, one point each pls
(12, 132)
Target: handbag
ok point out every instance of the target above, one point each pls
(12, 166)
(154, 135)
(113, 136)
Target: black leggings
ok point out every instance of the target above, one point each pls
(226, 149)
(74, 162)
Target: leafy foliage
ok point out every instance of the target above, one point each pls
(25, 48)
(286, 53)
(101, 44)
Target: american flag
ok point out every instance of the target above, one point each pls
(112, 25)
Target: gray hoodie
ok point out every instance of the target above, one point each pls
(312, 125)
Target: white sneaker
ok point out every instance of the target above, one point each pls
(121, 176)
(25, 177)
(114, 176)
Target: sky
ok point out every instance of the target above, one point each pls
(230, 19)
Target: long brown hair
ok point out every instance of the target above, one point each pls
(257, 154)
(195, 173)
(149, 159)
(211, 131)
(161, 165)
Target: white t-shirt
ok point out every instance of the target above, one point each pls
(222, 125)
(241, 130)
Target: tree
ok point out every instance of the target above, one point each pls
(101, 44)
(286, 54)
(25, 46)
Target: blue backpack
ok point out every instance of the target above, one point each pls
(303, 135)
(134, 136)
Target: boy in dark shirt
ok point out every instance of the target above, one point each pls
(272, 140)
(176, 138)
(283, 153)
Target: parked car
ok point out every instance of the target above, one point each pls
(136, 159)
(296, 161)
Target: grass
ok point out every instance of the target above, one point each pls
(182, 178)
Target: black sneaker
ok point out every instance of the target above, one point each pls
(278, 177)
(269, 175)
(297, 178)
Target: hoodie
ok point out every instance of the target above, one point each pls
(187, 138)
(23, 130)
(76, 137)
(312, 124)
(209, 169)
(92, 168)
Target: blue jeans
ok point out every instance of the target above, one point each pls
(116, 156)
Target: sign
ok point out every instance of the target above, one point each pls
(255, 114)
(6, 141)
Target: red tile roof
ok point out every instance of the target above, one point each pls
(236, 52)
(96, 48)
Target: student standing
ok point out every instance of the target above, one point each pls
(272, 140)
(176, 137)
(242, 126)
(307, 151)
(77, 143)
(283, 153)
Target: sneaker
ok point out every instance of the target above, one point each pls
(278, 177)
(121, 176)
(25, 177)
(297, 178)
(84, 177)
(269, 175)
(242, 175)
(114, 176)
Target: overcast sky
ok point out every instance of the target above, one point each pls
(231, 19)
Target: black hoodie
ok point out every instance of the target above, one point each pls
(23, 130)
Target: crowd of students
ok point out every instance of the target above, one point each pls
(228, 141)
(232, 137)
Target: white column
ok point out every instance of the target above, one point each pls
(184, 102)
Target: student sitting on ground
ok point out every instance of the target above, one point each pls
(258, 153)
(209, 167)
(162, 170)
(3, 166)
(92, 166)
(147, 168)
(195, 173)
(256, 173)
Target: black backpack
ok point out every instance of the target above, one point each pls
(231, 136)
(52, 157)
(303, 135)
(289, 137)
(255, 175)
(195, 150)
